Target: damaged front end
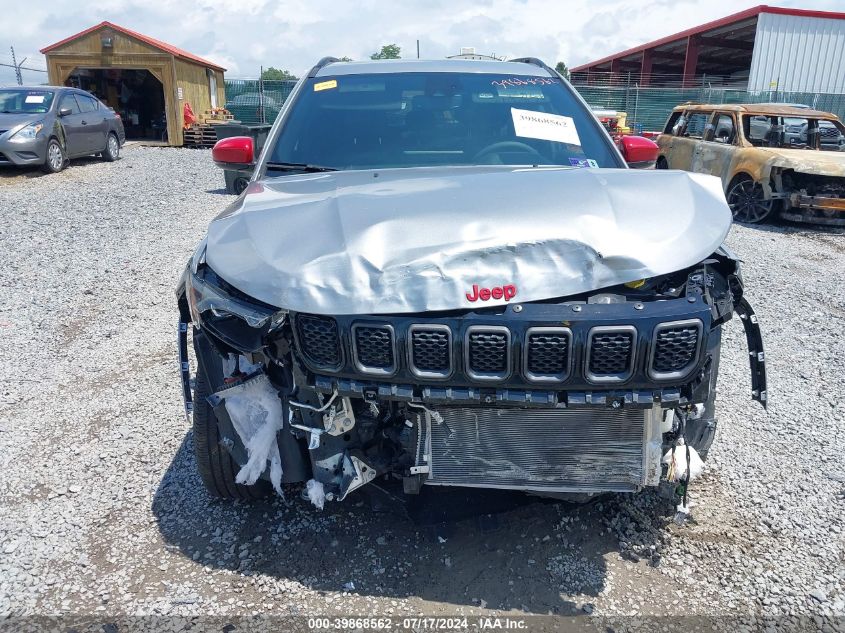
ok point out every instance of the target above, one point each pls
(812, 198)
(570, 396)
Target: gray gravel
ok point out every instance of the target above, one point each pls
(101, 511)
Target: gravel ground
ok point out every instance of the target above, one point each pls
(103, 515)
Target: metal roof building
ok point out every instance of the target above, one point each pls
(793, 50)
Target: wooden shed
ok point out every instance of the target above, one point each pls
(145, 80)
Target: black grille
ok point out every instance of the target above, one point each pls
(488, 352)
(674, 348)
(548, 354)
(611, 353)
(319, 339)
(430, 350)
(829, 132)
(374, 347)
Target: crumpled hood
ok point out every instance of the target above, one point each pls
(807, 161)
(415, 240)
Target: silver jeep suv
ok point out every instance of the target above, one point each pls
(443, 273)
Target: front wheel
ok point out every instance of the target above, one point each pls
(214, 463)
(55, 161)
(747, 201)
(112, 151)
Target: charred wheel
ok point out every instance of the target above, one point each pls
(747, 201)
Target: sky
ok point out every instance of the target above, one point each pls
(244, 35)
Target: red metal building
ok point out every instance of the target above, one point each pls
(763, 47)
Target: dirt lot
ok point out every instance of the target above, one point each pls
(103, 515)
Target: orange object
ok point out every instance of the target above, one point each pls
(188, 116)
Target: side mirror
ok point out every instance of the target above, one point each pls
(235, 152)
(638, 152)
(65, 112)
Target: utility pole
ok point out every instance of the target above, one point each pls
(418, 49)
(17, 67)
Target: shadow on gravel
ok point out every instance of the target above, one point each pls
(533, 556)
(221, 191)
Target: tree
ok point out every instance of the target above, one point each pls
(388, 51)
(346, 59)
(562, 69)
(274, 74)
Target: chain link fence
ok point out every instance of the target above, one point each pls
(648, 108)
(256, 101)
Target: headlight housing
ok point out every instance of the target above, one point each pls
(206, 292)
(28, 132)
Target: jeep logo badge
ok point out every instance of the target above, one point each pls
(507, 293)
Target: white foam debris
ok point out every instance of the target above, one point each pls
(241, 363)
(315, 492)
(676, 459)
(256, 413)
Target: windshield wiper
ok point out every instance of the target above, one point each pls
(298, 167)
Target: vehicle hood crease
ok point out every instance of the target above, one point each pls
(416, 240)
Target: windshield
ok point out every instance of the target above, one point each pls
(794, 132)
(25, 101)
(432, 119)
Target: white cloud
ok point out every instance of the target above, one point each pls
(244, 35)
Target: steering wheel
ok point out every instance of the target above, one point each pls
(495, 148)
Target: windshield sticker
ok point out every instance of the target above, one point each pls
(325, 85)
(583, 162)
(518, 81)
(34, 99)
(546, 127)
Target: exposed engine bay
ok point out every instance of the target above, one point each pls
(808, 197)
(611, 390)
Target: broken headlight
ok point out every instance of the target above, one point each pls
(207, 292)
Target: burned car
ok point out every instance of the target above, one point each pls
(445, 274)
(773, 159)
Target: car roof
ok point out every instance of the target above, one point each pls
(432, 66)
(766, 109)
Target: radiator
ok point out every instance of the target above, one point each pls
(551, 450)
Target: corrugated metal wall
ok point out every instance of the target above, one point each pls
(798, 54)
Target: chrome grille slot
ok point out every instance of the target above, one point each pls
(374, 349)
(430, 350)
(319, 339)
(610, 353)
(547, 354)
(566, 450)
(487, 351)
(674, 349)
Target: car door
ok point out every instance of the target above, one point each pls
(689, 134)
(71, 121)
(714, 152)
(94, 123)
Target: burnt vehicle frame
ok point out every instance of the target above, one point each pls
(393, 394)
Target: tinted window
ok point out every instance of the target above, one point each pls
(696, 124)
(68, 101)
(86, 104)
(421, 119)
(17, 101)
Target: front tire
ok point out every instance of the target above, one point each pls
(214, 463)
(747, 201)
(55, 161)
(112, 151)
